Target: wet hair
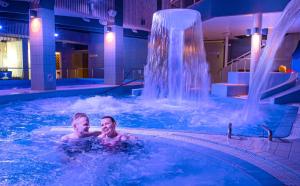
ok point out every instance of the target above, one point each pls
(109, 117)
(79, 115)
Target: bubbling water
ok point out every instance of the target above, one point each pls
(176, 66)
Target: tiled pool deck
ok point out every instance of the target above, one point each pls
(280, 157)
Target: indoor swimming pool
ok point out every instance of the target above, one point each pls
(30, 154)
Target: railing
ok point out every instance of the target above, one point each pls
(134, 74)
(8, 73)
(129, 77)
(264, 127)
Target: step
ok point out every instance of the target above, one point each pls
(229, 89)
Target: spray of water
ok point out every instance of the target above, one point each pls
(264, 66)
(176, 66)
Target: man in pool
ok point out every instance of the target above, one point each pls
(81, 125)
(109, 136)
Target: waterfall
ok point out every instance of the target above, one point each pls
(176, 64)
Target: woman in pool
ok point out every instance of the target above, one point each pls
(109, 136)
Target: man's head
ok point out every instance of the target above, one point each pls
(81, 123)
(108, 125)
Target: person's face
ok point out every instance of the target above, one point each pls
(82, 125)
(107, 126)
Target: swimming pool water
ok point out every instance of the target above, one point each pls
(31, 155)
(212, 116)
(40, 159)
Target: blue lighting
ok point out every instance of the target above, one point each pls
(55, 34)
(1, 27)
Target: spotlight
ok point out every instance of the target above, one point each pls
(248, 32)
(256, 30)
(108, 29)
(32, 14)
(55, 34)
(1, 27)
(264, 31)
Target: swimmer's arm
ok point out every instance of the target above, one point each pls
(95, 133)
(65, 138)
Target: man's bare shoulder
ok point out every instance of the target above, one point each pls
(68, 137)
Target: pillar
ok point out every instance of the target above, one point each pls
(113, 55)
(255, 42)
(42, 46)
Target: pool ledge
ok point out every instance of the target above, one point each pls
(26, 94)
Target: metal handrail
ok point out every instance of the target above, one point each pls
(136, 73)
(241, 56)
(125, 83)
(269, 131)
(229, 131)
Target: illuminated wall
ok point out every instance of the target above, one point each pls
(14, 58)
(11, 57)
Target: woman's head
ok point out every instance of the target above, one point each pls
(108, 125)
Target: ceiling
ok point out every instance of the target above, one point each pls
(216, 28)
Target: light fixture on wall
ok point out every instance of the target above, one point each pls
(256, 30)
(248, 32)
(264, 31)
(32, 14)
(56, 35)
(108, 29)
(109, 37)
(35, 25)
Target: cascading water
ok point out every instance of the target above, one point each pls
(176, 66)
(264, 66)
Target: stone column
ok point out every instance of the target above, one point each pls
(255, 43)
(113, 55)
(42, 46)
